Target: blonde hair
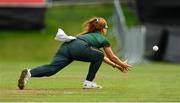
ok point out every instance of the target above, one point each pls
(93, 24)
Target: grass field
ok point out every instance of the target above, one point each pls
(19, 49)
(148, 82)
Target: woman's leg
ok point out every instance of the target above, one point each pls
(45, 70)
(94, 66)
(88, 54)
(50, 69)
(60, 60)
(95, 57)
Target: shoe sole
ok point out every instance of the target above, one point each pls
(21, 79)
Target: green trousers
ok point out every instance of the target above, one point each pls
(68, 52)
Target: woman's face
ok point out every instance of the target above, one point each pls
(102, 25)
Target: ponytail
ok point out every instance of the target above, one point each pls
(94, 24)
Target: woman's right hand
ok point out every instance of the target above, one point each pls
(125, 66)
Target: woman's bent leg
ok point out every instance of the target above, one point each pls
(89, 54)
(94, 67)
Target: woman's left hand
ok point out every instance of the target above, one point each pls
(127, 66)
(124, 70)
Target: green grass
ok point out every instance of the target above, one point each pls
(148, 82)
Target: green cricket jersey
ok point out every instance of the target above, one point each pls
(95, 39)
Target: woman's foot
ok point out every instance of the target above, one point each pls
(24, 77)
(90, 85)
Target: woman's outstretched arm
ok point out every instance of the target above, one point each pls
(114, 59)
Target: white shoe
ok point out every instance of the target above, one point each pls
(24, 77)
(90, 85)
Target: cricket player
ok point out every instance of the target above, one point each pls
(86, 47)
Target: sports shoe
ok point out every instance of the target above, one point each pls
(25, 75)
(90, 85)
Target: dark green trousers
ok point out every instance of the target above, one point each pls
(69, 51)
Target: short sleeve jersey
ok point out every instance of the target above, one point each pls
(95, 39)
